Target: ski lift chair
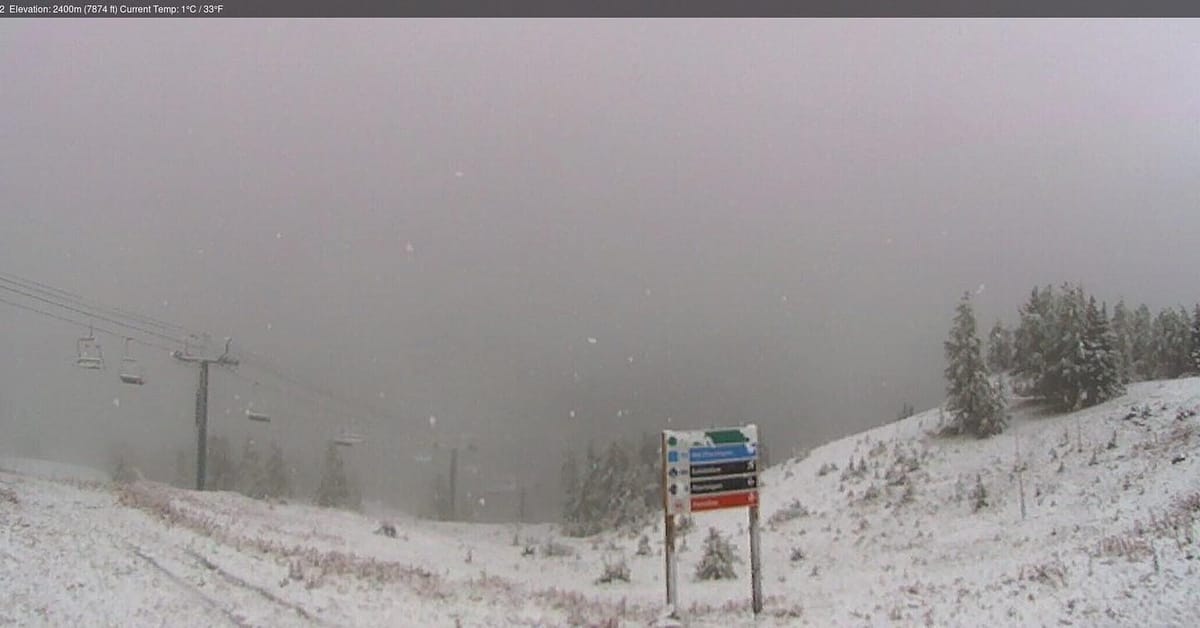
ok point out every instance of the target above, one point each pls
(348, 439)
(88, 352)
(131, 371)
(256, 415)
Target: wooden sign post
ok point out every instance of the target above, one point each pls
(710, 470)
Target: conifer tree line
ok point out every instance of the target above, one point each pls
(1068, 350)
(253, 475)
(265, 474)
(610, 490)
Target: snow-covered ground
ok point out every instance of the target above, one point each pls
(1107, 537)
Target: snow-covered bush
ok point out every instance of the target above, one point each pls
(793, 510)
(614, 571)
(552, 548)
(123, 472)
(979, 495)
(718, 559)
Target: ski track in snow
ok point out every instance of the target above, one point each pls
(1097, 545)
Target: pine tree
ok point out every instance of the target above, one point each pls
(184, 477)
(591, 500)
(571, 486)
(1034, 339)
(1171, 333)
(1122, 328)
(278, 480)
(1000, 349)
(1102, 376)
(1141, 344)
(611, 490)
(977, 405)
(335, 490)
(1196, 340)
(1064, 377)
(251, 474)
(717, 561)
(220, 473)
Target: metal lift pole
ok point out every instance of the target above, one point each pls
(202, 407)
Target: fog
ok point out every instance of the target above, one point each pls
(545, 232)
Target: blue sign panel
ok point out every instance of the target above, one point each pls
(722, 452)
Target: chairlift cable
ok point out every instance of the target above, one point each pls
(58, 293)
(82, 324)
(258, 360)
(90, 314)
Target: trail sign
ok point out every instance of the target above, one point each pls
(711, 470)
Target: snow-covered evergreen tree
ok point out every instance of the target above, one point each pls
(1141, 344)
(1064, 377)
(718, 559)
(1196, 340)
(610, 491)
(1102, 370)
(251, 474)
(335, 490)
(278, 479)
(1034, 339)
(185, 476)
(1172, 336)
(1000, 349)
(1122, 329)
(220, 473)
(975, 403)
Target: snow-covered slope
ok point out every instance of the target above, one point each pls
(1111, 496)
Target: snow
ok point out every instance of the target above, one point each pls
(1106, 540)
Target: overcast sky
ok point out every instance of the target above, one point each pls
(765, 221)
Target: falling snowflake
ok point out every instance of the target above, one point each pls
(408, 247)
(381, 395)
(268, 327)
(591, 341)
(278, 235)
(116, 402)
(979, 290)
(482, 502)
(458, 173)
(432, 421)
(572, 414)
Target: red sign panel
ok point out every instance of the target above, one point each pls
(727, 500)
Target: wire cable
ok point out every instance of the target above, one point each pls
(87, 325)
(91, 314)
